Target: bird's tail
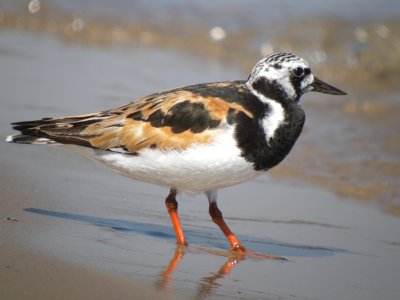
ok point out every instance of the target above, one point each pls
(29, 133)
(65, 130)
(28, 139)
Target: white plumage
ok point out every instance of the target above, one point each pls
(200, 168)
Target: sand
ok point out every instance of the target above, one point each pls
(26, 273)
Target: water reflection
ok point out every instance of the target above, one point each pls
(166, 275)
(206, 284)
(216, 245)
(210, 283)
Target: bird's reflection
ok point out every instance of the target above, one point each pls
(166, 275)
(206, 284)
(209, 283)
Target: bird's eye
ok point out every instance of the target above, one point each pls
(298, 72)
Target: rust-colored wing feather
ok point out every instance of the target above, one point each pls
(174, 119)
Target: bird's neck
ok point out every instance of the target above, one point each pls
(271, 89)
(274, 131)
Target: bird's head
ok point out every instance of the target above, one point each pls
(287, 76)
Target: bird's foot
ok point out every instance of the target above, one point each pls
(241, 252)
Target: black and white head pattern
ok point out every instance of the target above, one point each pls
(281, 75)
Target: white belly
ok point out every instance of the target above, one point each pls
(196, 169)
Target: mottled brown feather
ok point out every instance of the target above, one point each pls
(128, 127)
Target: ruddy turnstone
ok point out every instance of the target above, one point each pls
(197, 138)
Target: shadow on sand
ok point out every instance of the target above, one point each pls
(197, 238)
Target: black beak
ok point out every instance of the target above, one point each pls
(322, 87)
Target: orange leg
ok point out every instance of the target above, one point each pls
(237, 247)
(217, 218)
(172, 208)
(166, 276)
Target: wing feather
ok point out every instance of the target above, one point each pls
(174, 119)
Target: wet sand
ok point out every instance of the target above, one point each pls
(60, 211)
(68, 222)
(29, 274)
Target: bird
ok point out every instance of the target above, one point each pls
(197, 138)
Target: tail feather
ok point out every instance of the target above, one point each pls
(28, 139)
(54, 130)
(23, 125)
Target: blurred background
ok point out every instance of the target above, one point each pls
(351, 145)
(331, 207)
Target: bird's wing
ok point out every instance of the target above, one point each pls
(174, 119)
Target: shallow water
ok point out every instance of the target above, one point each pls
(336, 248)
